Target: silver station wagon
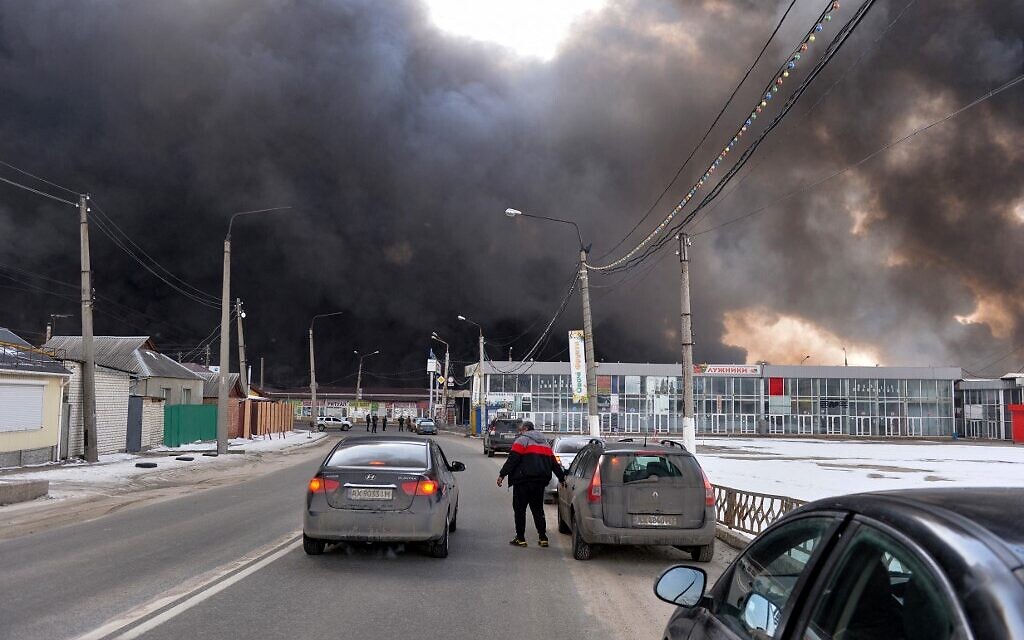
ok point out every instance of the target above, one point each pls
(635, 492)
(382, 489)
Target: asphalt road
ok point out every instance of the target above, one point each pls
(222, 563)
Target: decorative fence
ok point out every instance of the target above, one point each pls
(751, 512)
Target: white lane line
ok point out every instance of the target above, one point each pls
(195, 591)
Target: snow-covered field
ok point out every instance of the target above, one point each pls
(114, 469)
(812, 469)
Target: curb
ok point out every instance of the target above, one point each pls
(734, 539)
(15, 491)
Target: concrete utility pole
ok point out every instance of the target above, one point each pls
(312, 382)
(207, 359)
(88, 349)
(593, 419)
(243, 370)
(262, 371)
(225, 333)
(359, 376)
(686, 338)
(444, 385)
(481, 394)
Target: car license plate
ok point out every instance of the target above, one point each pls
(369, 494)
(508, 436)
(654, 520)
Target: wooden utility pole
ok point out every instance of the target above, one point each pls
(243, 371)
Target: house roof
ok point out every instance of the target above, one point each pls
(19, 356)
(211, 384)
(127, 353)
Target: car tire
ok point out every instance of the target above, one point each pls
(703, 553)
(321, 427)
(563, 528)
(581, 550)
(439, 548)
(455, 519)
(312, 546)
(490, 453)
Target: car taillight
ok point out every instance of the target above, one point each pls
(323, 485)
(709, 491)
(421, 487)
(493, 432)
(594, 490)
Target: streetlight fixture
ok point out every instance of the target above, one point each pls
(480, 394)
(804, 360)
(313, 412)
(444, 385)
(359, 376)
(225, 332)
(588, 324)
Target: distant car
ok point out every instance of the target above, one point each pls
(565, 449)
(635, 492)
(920, 564)
(426, 426)
(500, 435)
(324, 423)
(382, 489)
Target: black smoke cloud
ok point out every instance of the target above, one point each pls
(399, 147)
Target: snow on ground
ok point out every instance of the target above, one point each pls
(118, 468)
(812, 469)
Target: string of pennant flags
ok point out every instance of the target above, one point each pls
(766, 98)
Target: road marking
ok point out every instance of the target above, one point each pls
(193, 592)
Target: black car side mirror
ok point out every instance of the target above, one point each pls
(681, 585)
(456, 466)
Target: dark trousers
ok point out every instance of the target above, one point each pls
(529, 494)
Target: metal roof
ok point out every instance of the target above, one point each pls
(127, 353)
(211, 383)
(17, 355)
(767, 371)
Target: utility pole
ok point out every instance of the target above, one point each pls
(49, 331)
(482, 393)
(686, 338)
(225, 350)
(588, 343)
(88, 349)
(312, 383)
(243, 371)
(444, 386)
(262, 371)
(430, 396)
(359, 376)
(207, 360)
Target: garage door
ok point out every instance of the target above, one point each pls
(21, 407)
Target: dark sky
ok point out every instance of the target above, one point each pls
(399, 147)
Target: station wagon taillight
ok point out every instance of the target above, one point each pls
(709, 491)
(421, 487)
(322, 485)
(594, 490)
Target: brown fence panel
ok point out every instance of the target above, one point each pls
(751, 512)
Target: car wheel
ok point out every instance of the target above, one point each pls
(703, 553)
(312, 546)
(490, 453)
(581, 550)
(562, 527)
(320, 427)
(455, 519)
(439, 547)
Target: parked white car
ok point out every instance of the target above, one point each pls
(324, 423)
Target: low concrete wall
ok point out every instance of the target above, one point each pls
(22, 490)
(26, 457)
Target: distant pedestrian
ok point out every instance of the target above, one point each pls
(367, 422)
(375, 418)
(528, 468)
(401, 423)
(384, 422)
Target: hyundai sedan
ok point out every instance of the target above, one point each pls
(382, 489)
(925, 564)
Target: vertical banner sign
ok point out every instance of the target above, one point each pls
(578, 366)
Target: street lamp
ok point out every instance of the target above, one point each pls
(444, 385)
(225, 333)
(588, 324)
(481, 395)
(804, 360)
(313, 413)
(359, 376)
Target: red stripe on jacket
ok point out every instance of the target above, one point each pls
(538, 449)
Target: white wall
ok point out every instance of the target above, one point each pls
(152, 422)
(111, 410)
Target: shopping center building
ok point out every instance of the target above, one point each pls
(878, 402)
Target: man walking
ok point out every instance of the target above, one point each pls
(384, 422)
(375, 423)
(528, 468)
(367, 422)
(401, 423)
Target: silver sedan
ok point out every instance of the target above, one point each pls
(382, 489)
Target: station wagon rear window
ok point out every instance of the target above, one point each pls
(570, 446)
(643, 466)
(502, 426)
(384, 454)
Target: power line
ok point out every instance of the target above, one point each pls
(706, 133)
(37, 191)
(43, 180)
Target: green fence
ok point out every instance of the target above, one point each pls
(184, 423)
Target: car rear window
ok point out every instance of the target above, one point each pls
(381, 454)
(570, 446)
(641, 466)
(505, 425)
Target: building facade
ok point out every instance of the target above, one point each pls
(733, 399)
(983, 406)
